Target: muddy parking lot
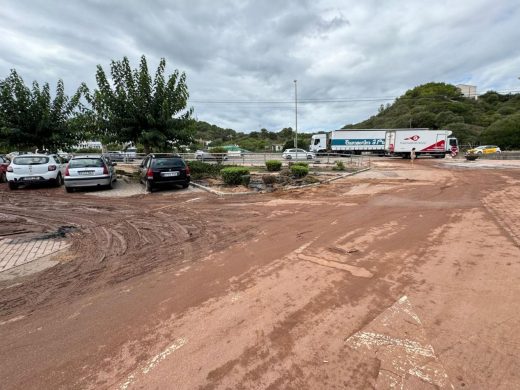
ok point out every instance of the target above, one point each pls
(399, 277)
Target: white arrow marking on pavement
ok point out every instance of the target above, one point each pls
(397, 338)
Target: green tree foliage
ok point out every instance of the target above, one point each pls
(504, 132)
(135, 107)
(31, 118)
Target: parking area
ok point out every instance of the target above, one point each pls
(403, 276)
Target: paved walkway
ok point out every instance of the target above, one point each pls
(18, 251)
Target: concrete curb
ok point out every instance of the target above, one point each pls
(220, 193)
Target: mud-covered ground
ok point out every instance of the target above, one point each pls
(400, 277)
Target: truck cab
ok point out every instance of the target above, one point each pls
(318, 143)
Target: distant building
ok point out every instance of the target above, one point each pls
(469, 91)
(277, 147)
(89, 145)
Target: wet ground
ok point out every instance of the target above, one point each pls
(399, 277)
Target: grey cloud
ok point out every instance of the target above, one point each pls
(250, 50)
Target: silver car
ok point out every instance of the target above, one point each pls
(89, 171)
(35, 168)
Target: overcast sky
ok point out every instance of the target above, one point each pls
(241, 57)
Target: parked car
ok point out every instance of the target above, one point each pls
(115, 156)
(484, 149)
(4, 163)
(206, 155)
(297, 154)
(89, 171)
(163, 169)
(35, 168)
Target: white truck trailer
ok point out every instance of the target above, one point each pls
(350, 141)
(436, 143)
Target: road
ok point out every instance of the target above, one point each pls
(400, 277)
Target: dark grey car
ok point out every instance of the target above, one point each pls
(159, 170)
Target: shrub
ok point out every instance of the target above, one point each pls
(269, 179)
(300, 164)
(201, 169)
(339, 166)
(245, 179)
(299, 170)
(273, 165)
(233, 175)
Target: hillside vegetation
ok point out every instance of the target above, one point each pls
(493, 118)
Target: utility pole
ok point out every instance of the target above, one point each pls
(296, 113)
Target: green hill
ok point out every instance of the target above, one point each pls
(493, 118)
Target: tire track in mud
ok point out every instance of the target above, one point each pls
(114, 243)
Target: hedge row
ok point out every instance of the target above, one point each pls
(200, 170)
(235, 175)
(273, 165)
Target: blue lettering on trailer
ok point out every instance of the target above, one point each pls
(358, 142)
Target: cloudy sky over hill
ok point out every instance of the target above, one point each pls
(241, 57)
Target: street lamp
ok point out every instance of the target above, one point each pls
(296, 113)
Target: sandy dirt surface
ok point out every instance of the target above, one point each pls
(403, 277)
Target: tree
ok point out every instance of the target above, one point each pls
(30, 118)
(504, 133)
(134, 107)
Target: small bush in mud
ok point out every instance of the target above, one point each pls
(299, 171)
(299, 164)
(233, 175)
(200, 170)
(269, 180)
(245, 180)
(339, 166)
(273, 165)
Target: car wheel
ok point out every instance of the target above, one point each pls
(199, 157)
(58, 182)
(12, 186)
(479, 152)
(185, 184)
(110, 185)
(309, 157)
(288, 157)
(149, 186)
(69, 189)
(3, 178)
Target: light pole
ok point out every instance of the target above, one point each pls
(296, 113)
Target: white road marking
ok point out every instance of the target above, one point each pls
(191, 200)
(401, 357)
(154, 361)
(14, 319)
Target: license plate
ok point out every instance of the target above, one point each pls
(169, 174)
(86, 172)
(31, 178)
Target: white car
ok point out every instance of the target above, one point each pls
(35, 168)
(297, 154)
(205, 155)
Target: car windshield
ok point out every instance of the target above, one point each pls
(168, 163)
(86, 163)
(30, 160)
